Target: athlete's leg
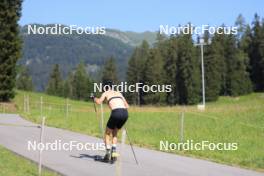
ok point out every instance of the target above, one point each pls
(114, 143)
(108, 133)
(108, 140)
(115, 132)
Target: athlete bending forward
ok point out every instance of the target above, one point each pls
(119, 115)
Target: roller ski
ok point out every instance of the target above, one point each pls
(110, 157)
(114, 156)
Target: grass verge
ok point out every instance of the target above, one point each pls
(11, 164)
(229, 120)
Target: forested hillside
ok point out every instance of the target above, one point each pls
(234, 65)
(41, 52)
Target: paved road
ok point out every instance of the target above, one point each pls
(16, 135)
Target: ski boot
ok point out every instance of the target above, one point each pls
(114, 155)
(107, 157)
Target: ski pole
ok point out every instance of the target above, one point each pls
(92, 96)
(132, 148)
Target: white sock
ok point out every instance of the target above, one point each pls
(108, 146)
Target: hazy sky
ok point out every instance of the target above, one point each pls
(138, 15)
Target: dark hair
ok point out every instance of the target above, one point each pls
(107, 85)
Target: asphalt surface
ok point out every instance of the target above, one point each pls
(15, 134)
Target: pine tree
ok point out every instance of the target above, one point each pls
(243, 40)
(219, 52)
(133, 76)
(241, 25)
(10, 46)
(244, 44)
(109, 71)
(135, 71)
(256, 54)
(154, 75)
(170, 67)
(55, 83)
(68, 86)
(213, 57)
(24, 80)
(81, 84)
(162, 43)
(237, 77)
(188, 71)
(241, 83)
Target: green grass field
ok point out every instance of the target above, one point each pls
(234, 120)
(11, 164)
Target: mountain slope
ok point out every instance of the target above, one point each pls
(132, 38)
(41, 52)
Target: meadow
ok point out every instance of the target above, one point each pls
(229, 120)
(11, 164)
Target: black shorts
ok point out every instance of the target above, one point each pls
(118, 118)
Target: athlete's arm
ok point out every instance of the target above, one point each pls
(125, 102)
(101, 99)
